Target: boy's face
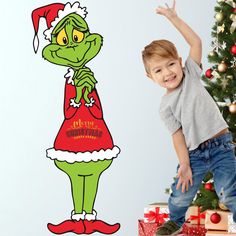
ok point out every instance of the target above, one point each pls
(167, 72)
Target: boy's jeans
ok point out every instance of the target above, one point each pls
(216, 155)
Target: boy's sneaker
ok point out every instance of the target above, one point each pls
(168, 228)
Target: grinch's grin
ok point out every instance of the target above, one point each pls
(54, 54)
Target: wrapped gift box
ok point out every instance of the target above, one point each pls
(147, 229)
(156, 213)
(194, 216)
(223, 223)
(218, 233)
(193, 230)
(231, 224)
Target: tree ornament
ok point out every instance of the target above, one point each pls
(208, 73)
(215, 218)
(223, 207)
(231, 3)
(224, 46)
(221, 28)
(233, 62)
(212, 54)
(224, 83)
(208, 186)
(232, 108)
(219, 16)
(229, 77)
(233, 50)
(233, 25)
(222, 67)
(234, 11)
(216, 74)
(216, 45)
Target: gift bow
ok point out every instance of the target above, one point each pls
(233, 25)
(156, 216)
(198, 217)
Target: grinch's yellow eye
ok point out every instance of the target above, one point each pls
(77, 36)
(62, 38)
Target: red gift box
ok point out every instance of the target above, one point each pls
(156, 213)
(193, 230)
(147, 229)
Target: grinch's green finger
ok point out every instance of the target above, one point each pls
(82, 72)
(93, 80)
(89, 76)
(87, 85)
(85, 80)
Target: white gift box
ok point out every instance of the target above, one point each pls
(231, 224)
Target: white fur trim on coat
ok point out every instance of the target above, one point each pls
(68, 9)
(92, 216)
(69, 75)
(72, 157)
(78, 217)
(74, 104)
(92, 101)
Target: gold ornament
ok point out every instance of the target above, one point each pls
(221, 28)
(212, 54)
(222, 67)
(219, 16)
(224, 83)
(222, 206)
(233, 25)
(232, 108)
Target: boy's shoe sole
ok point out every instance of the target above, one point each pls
(173, 234)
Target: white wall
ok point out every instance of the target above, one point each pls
(33, 191)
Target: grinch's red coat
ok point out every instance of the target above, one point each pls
(83, 135)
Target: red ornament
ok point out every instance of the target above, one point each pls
(233, 50)
(208, 186)
(215, 218)
(208, 73)
(234, 11)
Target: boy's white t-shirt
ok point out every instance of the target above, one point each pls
(191, 107)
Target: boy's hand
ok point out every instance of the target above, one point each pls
(167, 12)
(185, 176)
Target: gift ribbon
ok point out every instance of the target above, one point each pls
(156, 216)
(233, 25)
(198, 217)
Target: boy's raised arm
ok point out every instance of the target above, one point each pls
(189, 35)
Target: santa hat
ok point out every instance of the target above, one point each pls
(53, 13)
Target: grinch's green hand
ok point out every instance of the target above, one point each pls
(84, 79)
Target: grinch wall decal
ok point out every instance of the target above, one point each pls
(83, 147)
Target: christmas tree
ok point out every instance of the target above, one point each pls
(220, 79)
(220, 82)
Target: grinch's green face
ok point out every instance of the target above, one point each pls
(72, 44)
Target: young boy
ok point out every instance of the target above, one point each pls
(200, 134)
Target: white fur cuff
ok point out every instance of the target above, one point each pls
(78, 216)
(92, 101)
(91, 216)
(74, 104)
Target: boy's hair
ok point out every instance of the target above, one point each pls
(159, 49)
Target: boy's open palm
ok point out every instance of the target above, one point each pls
(185, 177)
(168, 12)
